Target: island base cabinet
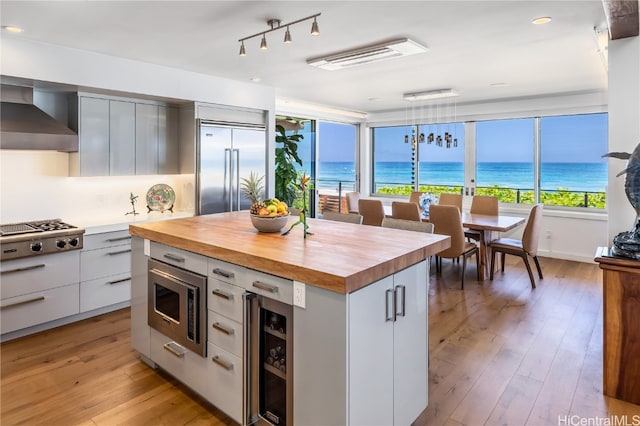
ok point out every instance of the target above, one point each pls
(225, 381)
(183, 364)
(388, 349)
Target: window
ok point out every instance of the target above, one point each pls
(336, 164)
(504, 160)
(441, 160)
(392, 171)
(572, 172)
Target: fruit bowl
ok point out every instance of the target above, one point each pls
(269, 223)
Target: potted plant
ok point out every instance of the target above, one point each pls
(286, 157)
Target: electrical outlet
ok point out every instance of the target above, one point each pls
(299, 296)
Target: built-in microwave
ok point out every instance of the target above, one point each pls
(176, 305)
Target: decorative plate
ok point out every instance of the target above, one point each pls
(160, 197)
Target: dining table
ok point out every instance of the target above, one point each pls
(489, 227)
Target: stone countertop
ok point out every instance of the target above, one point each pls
(110, 223)
(340, 257)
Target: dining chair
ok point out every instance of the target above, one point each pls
(407, 225)
(524, 248)
(405, 210)
(415, 197)
(343, 217)
(372, 211)
(449, 199)
(352, 201)
(447, 221)
(481, 204)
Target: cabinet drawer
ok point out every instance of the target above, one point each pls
(225, 333)
(183, 364)
(39, 273)
(106, 291)
(39, 307)
(225, 384)
(105, 262)
(223, 271)
(106, 239)
(270, 286)
(225, 299)
(180, 258)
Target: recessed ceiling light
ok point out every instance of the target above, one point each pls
(498, 84)
(374, 99)
(541, 20)
(256, 79)
(12, 28)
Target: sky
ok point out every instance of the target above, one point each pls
(575, 138)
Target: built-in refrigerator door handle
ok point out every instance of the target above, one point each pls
(228, 166)
(236, 190)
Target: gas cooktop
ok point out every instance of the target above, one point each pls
(38, 237)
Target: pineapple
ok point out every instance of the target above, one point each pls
(252, 189)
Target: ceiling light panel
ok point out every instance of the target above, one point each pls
(369, 54)
(431, 94)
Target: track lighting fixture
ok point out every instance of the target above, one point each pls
(275, 24)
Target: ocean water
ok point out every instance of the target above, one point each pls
(591, 177)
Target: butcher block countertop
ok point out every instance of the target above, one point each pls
(340, 257)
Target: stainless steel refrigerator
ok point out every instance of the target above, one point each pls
(225, 154)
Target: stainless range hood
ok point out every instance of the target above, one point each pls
(25, 126)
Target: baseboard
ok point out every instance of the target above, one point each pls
(568, 256)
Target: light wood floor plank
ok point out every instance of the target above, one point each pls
(501, 353)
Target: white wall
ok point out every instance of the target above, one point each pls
(624, 126)
(35, 185)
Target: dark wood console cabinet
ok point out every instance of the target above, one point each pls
(621, 320)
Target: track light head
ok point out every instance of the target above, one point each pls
(275, 25)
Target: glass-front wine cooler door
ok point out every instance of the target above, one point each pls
(276, 364)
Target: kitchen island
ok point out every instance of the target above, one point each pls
(359, 325)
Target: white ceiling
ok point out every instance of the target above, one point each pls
(472, 44)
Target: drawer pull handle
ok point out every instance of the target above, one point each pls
(113, 240)
(174, 348)
(223, 273)
(222, 294)
(24, 302)
(225, 364)
(113, 253)
(266, 287)
(124, 280)
(26, 268)
(174, 257)
(226, 330)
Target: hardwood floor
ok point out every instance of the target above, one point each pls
(500, 353)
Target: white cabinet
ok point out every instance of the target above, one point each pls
(388, 349)
(121, 136)
(105, 270)
(225, 336)
(38, 289)
(146, 139)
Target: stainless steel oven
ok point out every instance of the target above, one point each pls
(269, 364)
(177, 305)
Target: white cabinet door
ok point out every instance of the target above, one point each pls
(410, 345)
(168, 150)
(146, 139)
(94, 137)
(371, 355)
(122, 138)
